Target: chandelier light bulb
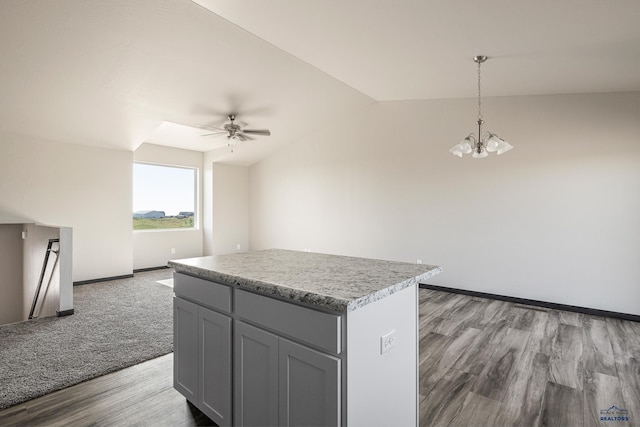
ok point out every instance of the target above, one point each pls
(466, 145)
(493, 141)
(456, 150)
(479, 153)
(503, 147)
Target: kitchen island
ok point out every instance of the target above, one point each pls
(279, 337)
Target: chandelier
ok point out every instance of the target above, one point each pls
(481, 145)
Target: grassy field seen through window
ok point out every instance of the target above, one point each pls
(162, 223)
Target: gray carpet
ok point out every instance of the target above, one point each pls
(116, 324)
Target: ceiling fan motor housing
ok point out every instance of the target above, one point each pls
(232, 128)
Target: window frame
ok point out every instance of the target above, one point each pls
(196, 196)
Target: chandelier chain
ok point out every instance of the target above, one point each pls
(479, 94)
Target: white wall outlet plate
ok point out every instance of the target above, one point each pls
(387, 341)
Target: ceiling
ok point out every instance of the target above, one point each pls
(417, 49)
(109, 73)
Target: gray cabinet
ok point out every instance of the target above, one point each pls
(185, 348)
(202, 359)
(214, 363)
(202, 345)
(309, 386)
(280, 382)
(256, 373)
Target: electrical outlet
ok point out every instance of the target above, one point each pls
(419, 261)
(387, 341)
(238, 247)
(173, 251)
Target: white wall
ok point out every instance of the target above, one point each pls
(82, 187)
(152, 248)
(11, 273)
(230, 209)
(555, 219)
(207, 203)
(225, 206)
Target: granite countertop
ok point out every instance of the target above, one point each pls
(333, 282)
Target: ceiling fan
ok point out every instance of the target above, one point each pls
(235, 131)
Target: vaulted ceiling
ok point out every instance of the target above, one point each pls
(109, 72)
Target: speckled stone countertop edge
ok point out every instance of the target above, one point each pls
(285, 292)
(382, 293)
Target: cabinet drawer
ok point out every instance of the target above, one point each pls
(203, 292)
(305, 324)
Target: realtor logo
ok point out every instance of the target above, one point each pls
(613, 413)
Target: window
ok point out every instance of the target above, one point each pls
(164, 197)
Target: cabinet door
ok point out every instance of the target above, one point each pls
(185, 348)
(215, 365)
(309, 386)
(256, 376)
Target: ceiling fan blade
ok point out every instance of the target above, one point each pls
(242, 137)
(217, 123)
(264, 132)
(215, 133)
(207, 127)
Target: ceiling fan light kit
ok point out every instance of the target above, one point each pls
(481, 145)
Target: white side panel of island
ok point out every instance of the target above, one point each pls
(382, 388)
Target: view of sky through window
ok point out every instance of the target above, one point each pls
(163, 188)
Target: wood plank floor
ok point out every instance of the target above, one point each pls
(482, 363)
(493, 363)
(142, 395)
